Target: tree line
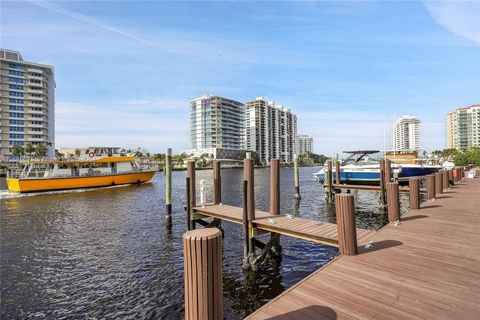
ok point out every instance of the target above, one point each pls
(460, 157)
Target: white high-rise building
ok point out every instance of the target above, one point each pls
(217, 127)
(463, 127)
(271, 131)
(406, 134)
(27, 110)
(305, 144)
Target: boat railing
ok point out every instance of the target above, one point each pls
(35, 174)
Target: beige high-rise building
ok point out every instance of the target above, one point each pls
(271, 130)
(406, 134)
(305, 144)
(27, 94)
(463, 128)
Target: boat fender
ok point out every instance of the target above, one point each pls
(91, 154)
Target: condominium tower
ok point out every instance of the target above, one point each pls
(305, 144)
(463, 127)
(217, 127)
(27, 95)
(271, 130)
(406, 134)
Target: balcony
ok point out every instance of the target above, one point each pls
(36, 98)
(33, 84)
(35, 70)
(35, 91)
(35, 126)
(35, 139)
(35, 112)
(35, 77)
(35, 119)
(40, 105)
(36, 132)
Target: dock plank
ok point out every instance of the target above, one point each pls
(424, 268)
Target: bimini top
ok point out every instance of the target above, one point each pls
(362, 151)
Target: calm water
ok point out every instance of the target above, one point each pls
(106, 253)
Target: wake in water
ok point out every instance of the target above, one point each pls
(6, 194)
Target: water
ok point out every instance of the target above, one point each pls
(106, 253)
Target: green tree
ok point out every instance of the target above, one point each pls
(59, 155)
(77, 153)
(40, 150)
(17, 150)
(29, 149)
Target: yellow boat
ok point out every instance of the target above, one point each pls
(94, 171)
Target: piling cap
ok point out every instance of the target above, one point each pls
(202, 234)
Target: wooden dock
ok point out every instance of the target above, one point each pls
(426, 267)
(310, 230)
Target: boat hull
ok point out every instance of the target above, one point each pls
(49, 184)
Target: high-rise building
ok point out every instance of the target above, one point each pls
(271, 130)
(406, 134)
(463, 127)
(305, 144)
(217, 127)
(27, 104)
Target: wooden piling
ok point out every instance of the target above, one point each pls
(188, 204)
(202, 253)
(248, 173)
(438, 183)
(382, 183)
(388, 171)
(346, 229)
(168, 185)
(217, 183)
(450, 177)
(445, 180)
(337, 172)
(414, 193)
(430, 186)
(393, 202)
(296, 177)
(193, 194)
(275, 186)
(330, 181)
(246, 249)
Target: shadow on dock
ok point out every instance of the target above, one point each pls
(415, 217)
(380, 245)
(311, 312)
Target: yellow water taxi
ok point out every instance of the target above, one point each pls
(91, 171)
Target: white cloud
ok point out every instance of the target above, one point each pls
(460, 17)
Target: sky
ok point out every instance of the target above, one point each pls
(126, 71)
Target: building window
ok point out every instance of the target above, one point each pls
(15, 66)
(16, 129)
(15, 80)
(16, 136)
(16, 94)
(13, 100)
(17, 122)
(16, 108)
(15, 87)
(12, 143)
(15, 73)
(16, 115)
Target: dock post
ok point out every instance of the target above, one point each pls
(188, 205)
(445, 180)
(246, 249)
(393, 207)
(202, 262)
(346, 228)
(217, 183)
(296, 177)
(193, 195)
(330, 181)
(450, 178)
(438, 183)
(388, 171)
(382, 183)
(168, 186)
(414, 193)
(275, 187)
(337, 171)
(430, 186)
(248, 166)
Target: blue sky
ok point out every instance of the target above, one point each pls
(126, 71)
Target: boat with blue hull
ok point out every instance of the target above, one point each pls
(363, 171)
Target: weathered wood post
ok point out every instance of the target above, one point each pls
(246, 248)
(382, 183)
(296, 176)
(438, 183)
(445, 180)
(330, 181)
(188, 205)
(248, 173)
(275, 186)
(168, 186)
(414, 193)
(388, 171)
(430, 186)
(393, 198)
(450, 177)
(346, 229)
(202, 256)
(337, 172)
(193, 195)
(217, 183)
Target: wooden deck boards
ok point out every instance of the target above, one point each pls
(428, 267)
(310, 230)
